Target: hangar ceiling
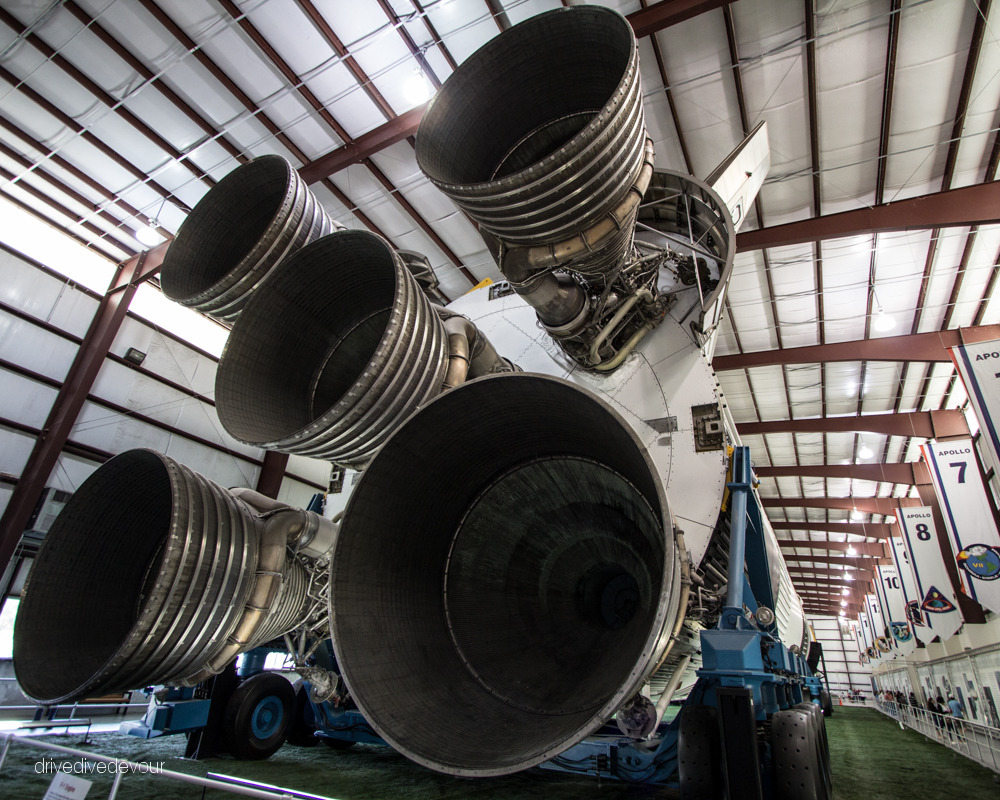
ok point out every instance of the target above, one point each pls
(117, 115)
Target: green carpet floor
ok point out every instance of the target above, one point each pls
(872, 760)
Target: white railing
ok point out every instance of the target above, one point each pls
(122, 767)
(976, 741)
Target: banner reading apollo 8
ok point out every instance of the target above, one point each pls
(968, 518)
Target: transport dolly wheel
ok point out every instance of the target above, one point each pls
(826, 703)
(258, 716)
(337, 744)
(699, 754)
(824, 745)
(797, 761)
(302, 730)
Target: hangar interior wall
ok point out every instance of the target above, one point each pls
(166, 404)
(844, 671)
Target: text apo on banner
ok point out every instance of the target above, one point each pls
(934, 612)
(968, 518)
(979, 366)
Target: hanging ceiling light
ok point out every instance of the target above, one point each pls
(883, 322)
(846, 592)
(843, 604)
(856, 515)
(416, 88)
(865, 451)
(851, 551)
(148, 235)
(849, 577)
(843, 613)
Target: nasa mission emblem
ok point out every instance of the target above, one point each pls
(980, 561)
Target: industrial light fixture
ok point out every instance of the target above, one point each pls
(843, 613)
(148, 235)
(883, 322)
(416, 88)
(865, 451)
(843, 604)
(848, 577)
(846, 592)
(856, 515)
(851, 551)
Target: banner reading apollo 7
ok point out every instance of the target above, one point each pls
(979, 366)
(968, 518)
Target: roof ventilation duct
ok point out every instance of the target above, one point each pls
(506, 565)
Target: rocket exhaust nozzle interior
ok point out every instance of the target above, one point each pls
(340, 349)
(259, 214)
(505, 575)
(145, 578)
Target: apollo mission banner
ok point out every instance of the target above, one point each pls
(968, 518)
(934, 612)
(907, 583)
(878, 626)
(979, 366)
(888, 589)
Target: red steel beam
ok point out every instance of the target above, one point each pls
(811, 572)
(861, 548)
(871, 530)
(888, 473)
(867, 505)
(393, 131)
(272, 472)
(926, 424)
(971, 205)
(79, 381)
(655, 18)
(850, 561)
(914, 347)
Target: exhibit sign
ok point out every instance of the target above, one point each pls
(968, 518)
(935, 607)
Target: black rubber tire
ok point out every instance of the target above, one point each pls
(819, 722)
(302, 731)
(336, 744)
(826, 703)
(699, 754)
(797, 764)
(258, 716)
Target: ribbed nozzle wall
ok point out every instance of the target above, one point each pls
(338, 351)
(504, 575)
(540, 134)
(256, 216)
(140, 581)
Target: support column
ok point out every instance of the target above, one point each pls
(79, 381)
(272, 472)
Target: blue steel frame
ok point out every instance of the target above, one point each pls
(737, 653)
